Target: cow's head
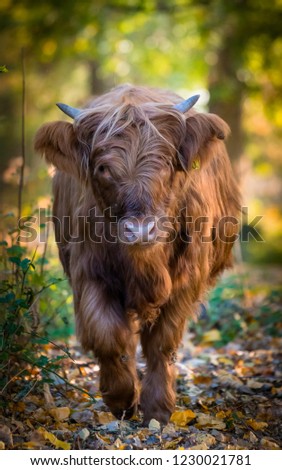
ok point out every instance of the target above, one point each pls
(136, 158)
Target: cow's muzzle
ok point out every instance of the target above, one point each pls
(136, 231)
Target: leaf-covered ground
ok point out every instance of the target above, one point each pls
(229, 385)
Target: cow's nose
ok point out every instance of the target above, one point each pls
(136, 231)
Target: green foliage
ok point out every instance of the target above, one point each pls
(32, 305)
(236, 306)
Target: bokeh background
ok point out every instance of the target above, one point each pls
(229, 51)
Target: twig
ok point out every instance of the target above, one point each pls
(21, 181)
(47, 286)
(31, 388)
(67, 353)
(67, 382)
(11, 379)
(45, 248)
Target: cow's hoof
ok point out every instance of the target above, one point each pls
(125, 414)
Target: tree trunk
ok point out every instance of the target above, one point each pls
(226, 97)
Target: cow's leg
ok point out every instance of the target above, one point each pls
(105, 328)
(160, 342)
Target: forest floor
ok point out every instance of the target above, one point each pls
(229, 385)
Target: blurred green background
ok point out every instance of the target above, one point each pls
(230, 51)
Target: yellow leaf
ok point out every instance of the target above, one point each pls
(172, 444)
(202, 379)
(119, 445)
(32, 445)
(203, 405)
(256, 425)
(60, 414)
(211, 336)
(103, 439)
(105, 417)
(52, 438)
(223, 414)
(225, 360)
(143, 434)
(181, 418)
(29, 424)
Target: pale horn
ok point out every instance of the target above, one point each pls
(71, 112)
(184, 106)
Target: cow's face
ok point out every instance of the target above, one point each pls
(134, 164)
(132, 177)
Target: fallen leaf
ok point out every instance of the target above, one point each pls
(60, 413)
(143, 434)
(229, 380)
(202, 379)
(203, 405)
(103, 439)
(41, 416)
(256, 425)
(105, 417)
(250, 436)
(276, 390)
(208, 421)
(118, 444)
(172, 444)
(183, 417)
(226, 361)
(84, 416)
(223, 414)
(84, 434)
(211, 336)
(186, 400)
(19, 406)
(254, 384)
(154, 425)
(169, 430)
(6, 435)
(73, 374)
(269, 444)
(33, 445)
(202, 446)
(36, 438)
(54, 441)
(203, 438)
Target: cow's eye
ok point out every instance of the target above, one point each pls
(103, 171)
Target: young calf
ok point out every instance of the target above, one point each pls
(146, 212)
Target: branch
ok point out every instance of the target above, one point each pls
(21, 181)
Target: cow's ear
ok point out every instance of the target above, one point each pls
(203, 134)
(58, 143)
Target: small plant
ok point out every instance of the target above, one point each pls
(30, 304)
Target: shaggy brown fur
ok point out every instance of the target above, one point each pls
(132, 152)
